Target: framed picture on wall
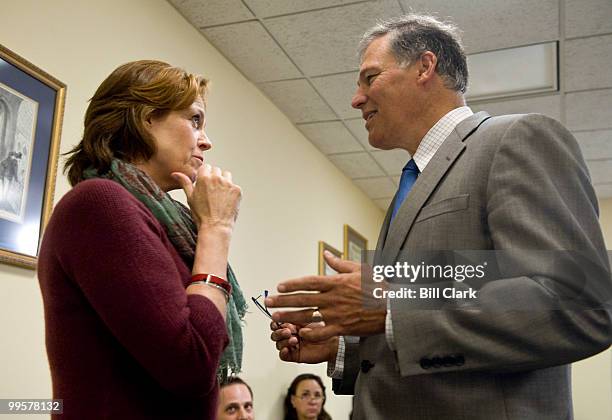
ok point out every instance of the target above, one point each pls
(354, 243)
(31, 111)
(324, 268)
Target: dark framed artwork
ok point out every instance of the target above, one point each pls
(31, 112)
(354, 244)
(324, 268)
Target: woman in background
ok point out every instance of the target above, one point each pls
(305, 399)
(139, 299)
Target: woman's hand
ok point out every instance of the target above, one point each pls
(214, 199)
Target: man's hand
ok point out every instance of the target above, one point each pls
(340, 301)
(293, 348)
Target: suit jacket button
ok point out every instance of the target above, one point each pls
(436, 362)
(448, 361)
(425, 363)
(366, 365)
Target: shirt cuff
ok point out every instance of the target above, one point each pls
(335, 370)
(389, 327)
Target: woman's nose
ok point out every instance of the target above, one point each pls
(204, 142)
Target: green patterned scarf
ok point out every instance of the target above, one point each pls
(176, 219)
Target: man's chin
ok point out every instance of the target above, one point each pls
(376, 143)
(381, 143)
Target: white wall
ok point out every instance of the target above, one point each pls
(592, 378)
(293, 196)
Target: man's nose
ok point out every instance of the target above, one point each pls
(204, 142)
(359, 99)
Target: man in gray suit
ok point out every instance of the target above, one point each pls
(516, 184)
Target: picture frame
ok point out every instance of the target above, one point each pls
(324, 268)
(31, 113)
(354, 244)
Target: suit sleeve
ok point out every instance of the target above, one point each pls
(538, 197)
(117, 254)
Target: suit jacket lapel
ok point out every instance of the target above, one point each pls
(449, 151)
(382, 236)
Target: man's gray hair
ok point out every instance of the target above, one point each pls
(412, 35)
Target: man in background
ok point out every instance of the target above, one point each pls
(235, 400)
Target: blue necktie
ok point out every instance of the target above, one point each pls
(409, 176)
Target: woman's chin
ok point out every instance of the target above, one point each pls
(190, 173)
(192, 170)
(312, 413)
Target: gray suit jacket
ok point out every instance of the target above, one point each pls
(515, 182)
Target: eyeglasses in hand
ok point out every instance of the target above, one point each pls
(262, 306)
(264, 309)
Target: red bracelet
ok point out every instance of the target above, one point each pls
(212, 279)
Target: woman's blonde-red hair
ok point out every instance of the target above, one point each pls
(115, 117)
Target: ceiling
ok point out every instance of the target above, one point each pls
(302, 55)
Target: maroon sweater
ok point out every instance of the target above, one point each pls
(124, 340)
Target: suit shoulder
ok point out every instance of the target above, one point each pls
(509, 120)
(526, 126)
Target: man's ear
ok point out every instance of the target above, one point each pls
(427, 66)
